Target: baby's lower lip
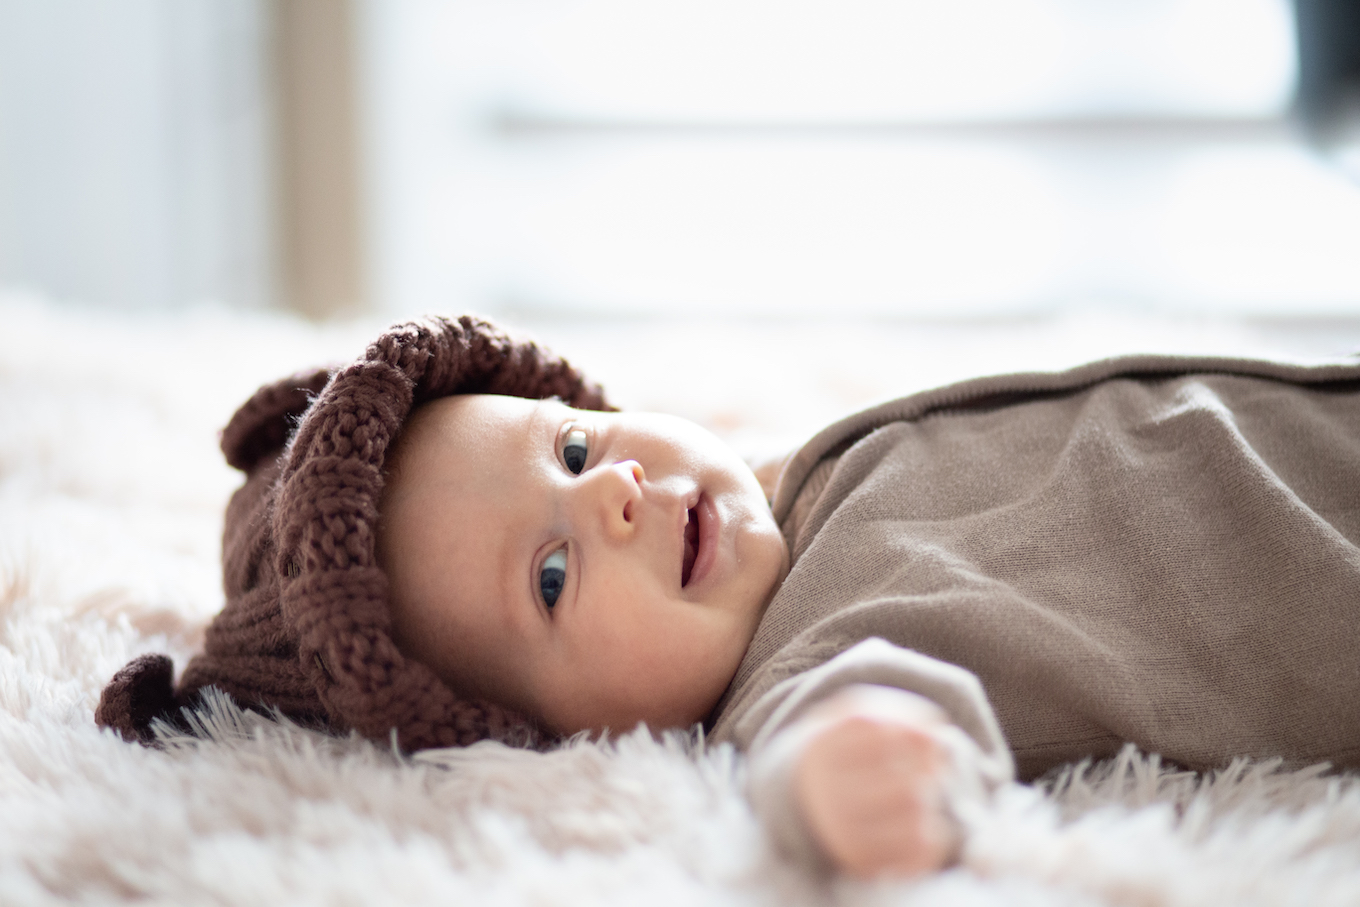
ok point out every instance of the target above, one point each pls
(690, 548)
(709, 532)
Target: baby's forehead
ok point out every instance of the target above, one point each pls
(463, 418)
(450, 470)
(464, 442)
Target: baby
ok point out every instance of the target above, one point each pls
(459, 540)
(597, 570)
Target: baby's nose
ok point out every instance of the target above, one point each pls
(618, 493)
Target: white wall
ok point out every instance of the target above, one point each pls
(134, 151)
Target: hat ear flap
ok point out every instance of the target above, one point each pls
(141, 691)
(263, 423)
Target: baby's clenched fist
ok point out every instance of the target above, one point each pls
(870, 783)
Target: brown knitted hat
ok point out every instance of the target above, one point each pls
(306, 626)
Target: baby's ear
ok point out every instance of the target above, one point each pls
(263, 423)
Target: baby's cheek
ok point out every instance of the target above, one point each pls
(645, 678)
(700, 660)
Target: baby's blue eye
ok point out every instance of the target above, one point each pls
(552, 576)
(574, 452)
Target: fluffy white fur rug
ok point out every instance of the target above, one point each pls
(111, 492)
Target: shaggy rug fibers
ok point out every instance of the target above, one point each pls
(111, 493)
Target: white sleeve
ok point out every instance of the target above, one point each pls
(980, 761)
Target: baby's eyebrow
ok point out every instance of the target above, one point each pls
(528, 431)
(510, 590)
(514, 561)
(545, 415)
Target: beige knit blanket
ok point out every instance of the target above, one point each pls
(110, 504)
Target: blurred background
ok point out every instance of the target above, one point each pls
(757, 214)
(899, 159)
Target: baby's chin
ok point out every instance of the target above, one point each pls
(662, 712)
(654, 721)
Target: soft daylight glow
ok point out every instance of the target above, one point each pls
(853, 60)
(761, 157)
(1260, 229)
(698, 226)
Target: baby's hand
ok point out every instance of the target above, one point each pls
(870, 783)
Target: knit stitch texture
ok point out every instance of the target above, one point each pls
(306, 627)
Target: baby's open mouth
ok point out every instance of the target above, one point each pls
(691, 547)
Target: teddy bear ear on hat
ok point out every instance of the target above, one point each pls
(140, 692)
(144, 689)
(264, 423)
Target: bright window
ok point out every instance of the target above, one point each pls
(906, 158)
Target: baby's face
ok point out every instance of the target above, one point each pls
(590, 569)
